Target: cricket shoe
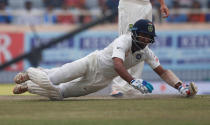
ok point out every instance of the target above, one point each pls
(129, 92)
(21, 77)
(20, 88)
(116, 94)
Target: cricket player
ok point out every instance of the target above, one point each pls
(97, 70)
(129, 12)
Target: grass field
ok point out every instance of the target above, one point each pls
(149, 110)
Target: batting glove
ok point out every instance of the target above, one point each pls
(142, 86)
(188, 90)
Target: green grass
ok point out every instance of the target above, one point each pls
(143, 111)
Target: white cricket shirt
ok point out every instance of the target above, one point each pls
(121, 48)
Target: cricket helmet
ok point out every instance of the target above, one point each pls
(143, 26)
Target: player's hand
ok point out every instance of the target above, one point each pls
(141, 85)
(164, 11)
(188, 90)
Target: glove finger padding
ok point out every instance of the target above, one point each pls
(193, 89)
(149, 87)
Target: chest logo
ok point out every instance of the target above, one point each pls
(138, 56)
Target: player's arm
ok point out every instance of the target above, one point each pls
(139, 84)
(169, 77)
(163, 9)
(121, 45)
(121, 70)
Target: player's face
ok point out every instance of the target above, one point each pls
(144, 39)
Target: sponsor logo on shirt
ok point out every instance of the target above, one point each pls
(119, 47)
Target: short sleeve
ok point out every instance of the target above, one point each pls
(152, 59)
(120, 46)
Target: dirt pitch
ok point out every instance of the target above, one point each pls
(36, 97)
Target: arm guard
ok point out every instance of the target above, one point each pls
(170, 78)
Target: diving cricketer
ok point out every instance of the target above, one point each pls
(97, 70)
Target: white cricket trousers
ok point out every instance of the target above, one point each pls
(77, 78)
(129, 13)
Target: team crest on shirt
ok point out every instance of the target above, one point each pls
(138, 56)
